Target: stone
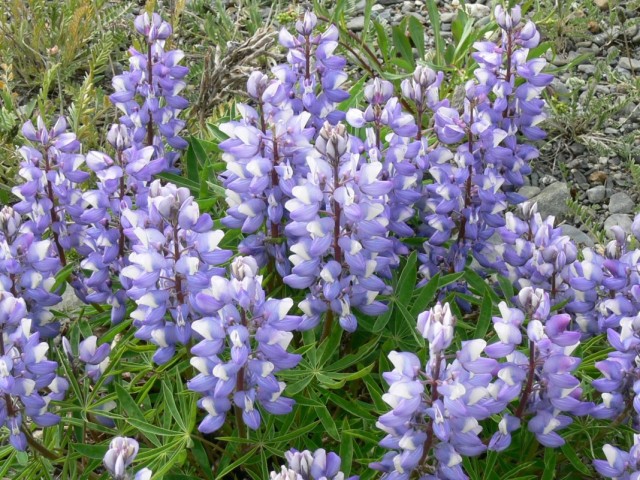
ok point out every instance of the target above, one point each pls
(577, 235)
(602, 4)
(580, 179)
(529, 192)
(477, 10)
(621, 203)
(553, 201)
(597, 194)
(620, 219)
(588, 69)
(356, 24)
(598, 177)
(447, 17)
(629, 64)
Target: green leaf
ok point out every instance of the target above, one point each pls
(327, 422)
(484, 319)
(329, 346)
(346, 449)
(416, 30)
(507, 288)
(148, 428)
(571, 455)
(383, 320)
(128, 405)
(243, 459)
(550, 459)
(402, 45)
(383, 41)
(90, 451)
(192, 164)
(170, 403)
(354, 407)
(300, 432)
(410, 322)
(200, 455)
(434, 19)
(407, 281)
(62, 276)
(426, 294)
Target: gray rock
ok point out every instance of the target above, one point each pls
(356, 24)
(447, 17)
(597, 194)
(559, 87)
(629, 63)
(553, 201)
(620, 219)
(621, 203)
(577, 148)
(588, 69)
(577, 235)
(529, 192)
(580, 179)
(477, 10)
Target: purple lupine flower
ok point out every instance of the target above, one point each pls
(28, 380)
(122, 451)
(256, 332)
(96, 359)
(435, 414)
(156, 79)
(339, 255)
(618, 463)
(305, 465)
(175, 255)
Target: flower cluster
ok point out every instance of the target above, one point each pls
(435, 413)
(28, 380)
(313, 79)
(305, 465)
(473, 186)
(157, 78)
(121, 454)
(339, 222)
(245, 341)
(174, 256)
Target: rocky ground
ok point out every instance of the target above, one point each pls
(594, 126)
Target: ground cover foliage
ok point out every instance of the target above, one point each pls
(297, 253)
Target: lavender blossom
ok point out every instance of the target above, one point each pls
(256, 332)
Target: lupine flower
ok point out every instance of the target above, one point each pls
(175, 256)
(122, 451)
(155, 77)
(256, 332)
(28, 380)
(341, 255)
(620, 464)
(96, 359)
(319, 465)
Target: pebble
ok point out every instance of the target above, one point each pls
(602, 4)
(580, 179)
(621, 203)
(629, 63)
(598, 177)
(577, 235)
(529, 192)
(356, 24)
(597, 194)
(587, 69)
(620, 219)
(477, 10)
(553, 201)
